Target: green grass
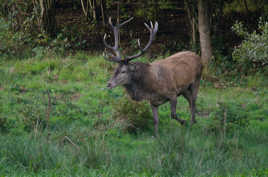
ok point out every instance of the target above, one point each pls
(84, 129)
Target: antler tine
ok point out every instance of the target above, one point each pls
(153, 30)
(117, 56)
(110, 57)
(115, 28)
(105, 43)
(123, 23)
(110, 21)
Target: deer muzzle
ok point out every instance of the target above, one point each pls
(110, 85)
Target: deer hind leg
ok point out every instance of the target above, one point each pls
(173, 104)
(190, 96)
(155, 115)
(194, 88)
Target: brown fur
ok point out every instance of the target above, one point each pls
(162, 81)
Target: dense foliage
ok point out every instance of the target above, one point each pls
(253, 51)
(80, 25)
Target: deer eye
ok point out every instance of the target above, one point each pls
(123, 71)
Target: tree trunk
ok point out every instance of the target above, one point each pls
(118, 19)
(156, 10)
(93, 4)
(204, 31)
(85, 8)
(246, 6)
(103, 9)
(47, 20)
(191, 9)
(193, 32)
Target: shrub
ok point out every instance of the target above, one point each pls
(13, 43)
(137, 115)
(24, 44)
(252, 52)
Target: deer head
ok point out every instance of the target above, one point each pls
(122, 74)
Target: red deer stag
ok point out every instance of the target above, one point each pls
(159, 81)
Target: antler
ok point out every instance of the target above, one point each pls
(153, 30)
(117, 57)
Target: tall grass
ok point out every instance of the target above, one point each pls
(177, 152)
(85, 134)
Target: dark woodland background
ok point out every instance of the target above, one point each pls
(80, 24)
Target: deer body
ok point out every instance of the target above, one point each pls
(165, 79)
(160, 81)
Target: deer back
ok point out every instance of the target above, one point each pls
(176, 72)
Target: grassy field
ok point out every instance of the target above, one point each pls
(58, 119)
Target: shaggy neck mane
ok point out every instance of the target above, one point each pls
(139, 87)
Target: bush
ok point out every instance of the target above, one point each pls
(252, 52)
(13, 43)
(24, 44)
(136, 115)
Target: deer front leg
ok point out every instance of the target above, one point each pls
(173, 104)
(155, 115)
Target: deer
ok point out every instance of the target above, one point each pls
(158, 82)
